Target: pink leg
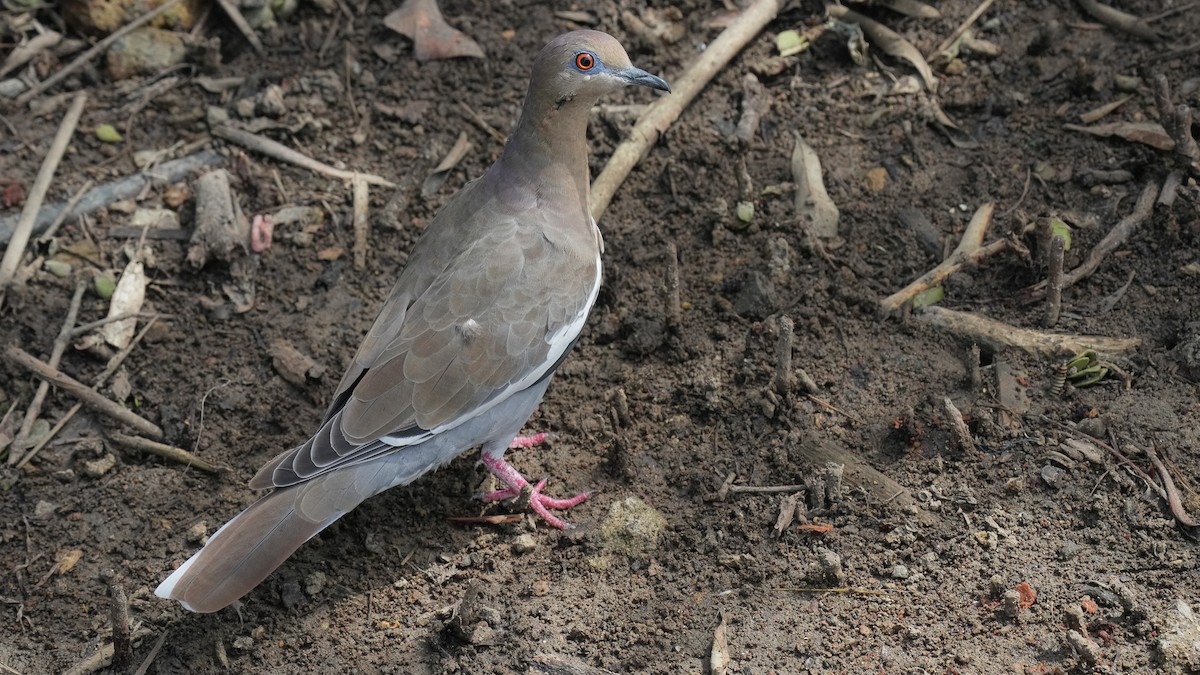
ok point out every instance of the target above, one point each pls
(517, 486)
(527, 441)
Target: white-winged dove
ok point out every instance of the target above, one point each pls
(491, 300)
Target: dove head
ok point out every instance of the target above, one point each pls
(549, 146)
(575, 69)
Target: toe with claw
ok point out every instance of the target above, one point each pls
(517, 487)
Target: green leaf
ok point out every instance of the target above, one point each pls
(108, 134)
(929, 296)
(1058, 228)
(790, 42)
(105, 285)
(745, 211)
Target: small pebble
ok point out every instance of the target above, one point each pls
(272, 104)
(830, 565)
(44, 509)
(1052, 475)
(244, 108)
(1087, 649)
(314, 583)
(216, 116)
(900, 572)
(1010, 604)
(243, 642)
(98, 467)
(525, 543)
(11, 88)
(198, 533)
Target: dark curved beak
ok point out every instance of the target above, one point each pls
(638, 76)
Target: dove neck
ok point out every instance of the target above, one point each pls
(549, 148)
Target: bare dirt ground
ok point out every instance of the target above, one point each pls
(938, 576)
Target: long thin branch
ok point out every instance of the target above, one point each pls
(81, 391)
(37, 193)
(124, 188)
(283, 153)
(113, 364)
(96, 49)
(997, 334)
(165, 451)
(663, 112)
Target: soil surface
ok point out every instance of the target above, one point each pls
(1036, 550)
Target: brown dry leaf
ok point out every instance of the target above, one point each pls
(1028, 595)
(128, 298)
(27, 51)
(812, 201)
(438, 176)
(331, 253)
(422, 22)
(889, 41)
(1099, 112)
(787, 512)
(65, 564)
(1149, 133)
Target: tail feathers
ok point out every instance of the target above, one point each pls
(248, 548)
(242, 553)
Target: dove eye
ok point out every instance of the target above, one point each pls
(585, 61)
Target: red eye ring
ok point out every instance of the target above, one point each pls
(585, 61)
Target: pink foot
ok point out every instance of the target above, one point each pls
(519, 487)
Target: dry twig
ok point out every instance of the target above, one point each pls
(67, 210)
(1115, 18)
(113, 364)
(962, 28)
(1174, 501)
(118, 616)
(1177, 122)
(958, 427)
(784, 380)
(243, 26)
(102, 657)
(996, 335)
(727, 488)
(1115, 237)
(362, 202)
(659, 116)
(1054, 280)
(130, 186)
(281, 152)
(970, 250)
(60, 346)
(37, 193)
(671, 291)
(165, 451)
(81, 391)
